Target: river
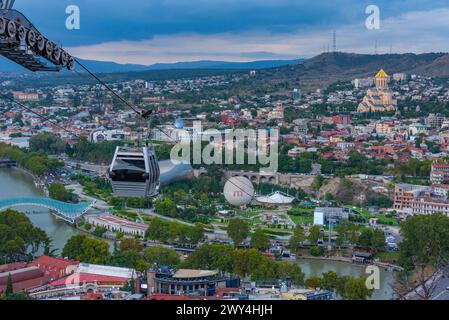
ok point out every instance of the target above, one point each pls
(14, 184)
(318, 267)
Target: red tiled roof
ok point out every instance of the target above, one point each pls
(166, 297)
(88, 278)
(57, 262)
(55, 267)
(12, 266)
(28, 284)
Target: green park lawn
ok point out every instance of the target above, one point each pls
(302, 220)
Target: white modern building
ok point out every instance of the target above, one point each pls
(116, 224)
(276, 199)
(109, 135)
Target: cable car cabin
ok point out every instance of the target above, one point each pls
(134, 172)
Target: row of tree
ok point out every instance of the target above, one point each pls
(38, 163)
(130, 253)
(173, 232)
(246, 263)
(347, 287)
(84, 150)
(369, 239)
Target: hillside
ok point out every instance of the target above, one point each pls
(327, 68)
(313, 73)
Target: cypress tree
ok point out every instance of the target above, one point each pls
(9, 287)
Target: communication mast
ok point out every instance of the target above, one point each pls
(334, 41)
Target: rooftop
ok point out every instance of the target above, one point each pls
(106, 270)
(276, 198)
(110, 219)
(80, 278)
(381, 74)
(190, 274)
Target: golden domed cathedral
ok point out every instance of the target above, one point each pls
(379, 99)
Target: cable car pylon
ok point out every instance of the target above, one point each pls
(22, 43)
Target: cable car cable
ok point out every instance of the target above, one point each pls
(107, 87)
(39, 115)
(139, 113)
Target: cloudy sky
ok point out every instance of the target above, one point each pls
(153, 31)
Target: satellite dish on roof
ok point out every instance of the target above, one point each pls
(239, 191)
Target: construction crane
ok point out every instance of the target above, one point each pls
(22, 43)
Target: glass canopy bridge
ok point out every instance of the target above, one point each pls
(66, 211)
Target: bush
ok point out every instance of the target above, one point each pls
(316, 251)
(100, 231)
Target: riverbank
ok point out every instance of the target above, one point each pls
(384, 265)
(335, 258)
(19, 183)
(36, 180)
(317, 267)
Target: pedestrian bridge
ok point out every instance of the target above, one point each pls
(66, 211)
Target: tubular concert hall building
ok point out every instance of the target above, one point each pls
(184, 282)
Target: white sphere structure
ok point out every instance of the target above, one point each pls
(239, 191)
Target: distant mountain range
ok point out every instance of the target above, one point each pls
(309, 74)
(112, 67)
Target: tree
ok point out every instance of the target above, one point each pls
(424, 254)
(19, 239)
(318, 182)
(194, 234)
(157, 230)
(260, 241)
(129, 259)
(165, 207)
(37, 163)
(297, 238)
(72, 248)
(246, 263)
(83, 248)
(131, 244)
(238, 230)
(352, 288)
(250, 262)
(9, 286)
(365, 238)
(372, 239)
(100, 231)
(313, 282)
(329, 281)
(314, 234)
(95, 152)
(378, 240)
(161, 256)
(292, 271)
(215, 256)
(47, 143)
(58, 191)
(347, 231)
(316, 251)
(19, 296)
